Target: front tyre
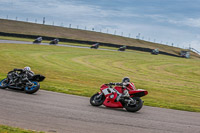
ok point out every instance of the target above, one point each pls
(32, 89)
(3, 83)
(97, 99)
(134, 106)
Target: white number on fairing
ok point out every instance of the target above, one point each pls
(108, 91)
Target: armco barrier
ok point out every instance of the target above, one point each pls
(83, 42)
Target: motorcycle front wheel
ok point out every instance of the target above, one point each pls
(32, 89)
(97, 100)
(3, 83)
(135, 106)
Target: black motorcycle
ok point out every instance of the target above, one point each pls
(54, 41)
(95, 46)
(18, 79)
(155, 51)
(38, 40)
(123, 48)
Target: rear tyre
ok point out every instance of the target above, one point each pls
(134, 107)
(3, 83)
(97, 100)
(32, 89)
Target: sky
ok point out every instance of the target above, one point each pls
(167, 22)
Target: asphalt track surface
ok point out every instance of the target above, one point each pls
(63, 45)
(62, 113)
(56, 112)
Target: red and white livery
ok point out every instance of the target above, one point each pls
(120, 96)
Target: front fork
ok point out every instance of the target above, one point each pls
(100, 95)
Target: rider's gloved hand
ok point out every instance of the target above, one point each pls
(111, 83)
(125, 83)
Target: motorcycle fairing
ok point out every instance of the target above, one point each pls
(119, 89)
(108, 91)
(103, 87)
(110, 102)
(110, 95)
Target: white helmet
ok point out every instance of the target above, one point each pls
(27, 68)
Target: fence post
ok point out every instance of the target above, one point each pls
(43, 20)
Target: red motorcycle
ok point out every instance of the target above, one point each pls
(120, 96)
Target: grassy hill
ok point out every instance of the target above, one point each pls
(172, 82)
(11, 26)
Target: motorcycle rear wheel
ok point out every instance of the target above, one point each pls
(134, 107)
(95, 101)
(3, 84)
(32, 89)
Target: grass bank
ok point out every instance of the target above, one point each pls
(172, 82)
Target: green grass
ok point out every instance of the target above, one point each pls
(8, 129)
(15, 38)
(171, 82)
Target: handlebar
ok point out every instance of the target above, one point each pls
(21, 70)
(117, 84)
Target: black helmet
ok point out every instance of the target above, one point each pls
(126, 79)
